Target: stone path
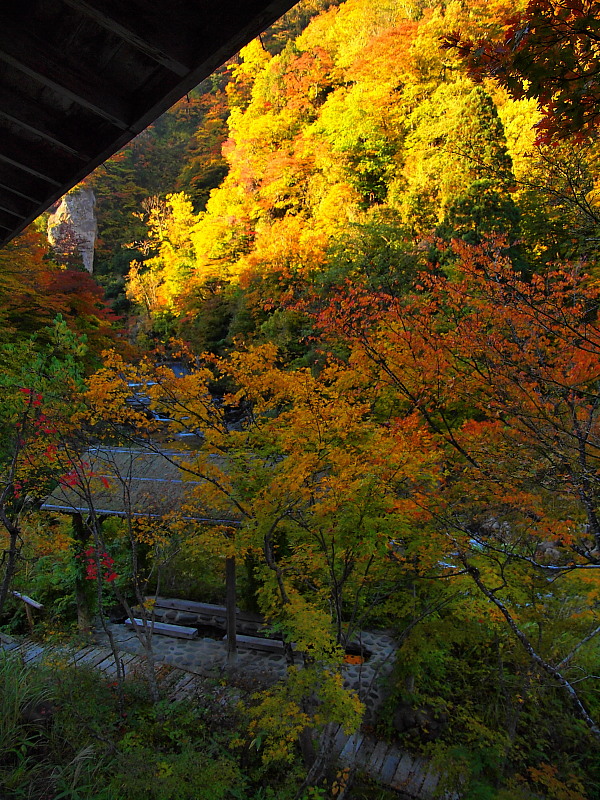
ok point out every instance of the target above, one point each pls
(182, 666)
(208, 657)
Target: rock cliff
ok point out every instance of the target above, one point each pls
(72, 227)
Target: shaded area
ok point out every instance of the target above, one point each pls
(81, 78)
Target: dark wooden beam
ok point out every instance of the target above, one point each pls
(128, 34)
(74, 90)
(42, 135)
(7, 220)
(77, 134)
(18, 208)
(29, 170)
(36, 156)
(16, 217)
(166, 26)
(6, 188)
(30, 55)
(25, 185)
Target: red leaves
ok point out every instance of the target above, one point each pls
(501, 371)
(33, 397)
(548, 53)
(77, 475)
(92, 560)
(71, 479)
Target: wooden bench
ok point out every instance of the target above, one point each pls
(164, 628)
(191, 606)
(208, 613)
(258, 643)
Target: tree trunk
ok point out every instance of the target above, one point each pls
(83, 587)
(231, 616)
(320, 760)
(10, 565)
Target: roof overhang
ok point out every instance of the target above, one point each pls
(81, 78)
(125, 482)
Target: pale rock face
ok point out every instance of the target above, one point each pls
(72, 226)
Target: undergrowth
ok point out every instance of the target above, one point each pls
(67, 734)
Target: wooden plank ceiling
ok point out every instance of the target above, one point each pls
(80, 78)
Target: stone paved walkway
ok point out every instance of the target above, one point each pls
(204, 656)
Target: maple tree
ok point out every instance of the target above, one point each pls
(34, 291)
(501, 373)
(302, 480)
(39, 391)
(141, 548)
(549, 52)
(25, 275)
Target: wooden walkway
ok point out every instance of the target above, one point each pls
(411, 776)
(177, 684)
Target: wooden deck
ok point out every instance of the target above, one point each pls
(410, 776)
(177, 684)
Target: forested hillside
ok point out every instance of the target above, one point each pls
(343, 153)
(357, 281)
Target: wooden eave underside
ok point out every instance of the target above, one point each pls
(81, 78)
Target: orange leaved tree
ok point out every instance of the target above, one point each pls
(294, 472)
(549, 51)
(503, 374)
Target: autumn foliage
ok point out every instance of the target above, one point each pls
(549, 52)
(368, 310)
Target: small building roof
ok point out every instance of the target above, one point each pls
(120, 482)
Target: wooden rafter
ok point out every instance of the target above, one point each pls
(71, 87)
(6, 189)
(73, 135)
(40, 160)
(30, 170)
(128, 35)
(42, 134)
(4, 206)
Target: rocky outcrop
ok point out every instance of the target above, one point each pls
(72, 228)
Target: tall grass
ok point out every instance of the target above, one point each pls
(20, 689)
